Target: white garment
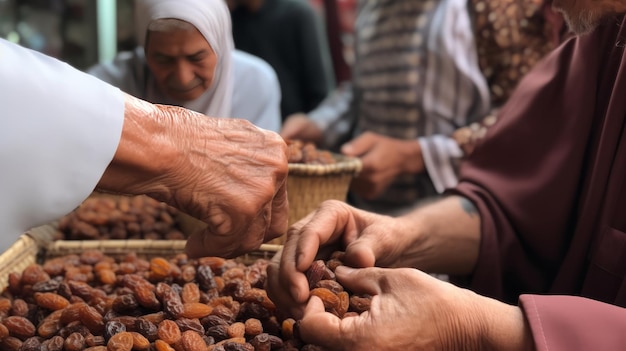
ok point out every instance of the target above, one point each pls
(59, 130)
(256, 93)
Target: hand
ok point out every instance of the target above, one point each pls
(384, 159)
(411, 310)
(225, 172)
(366, 238)
(299, 127)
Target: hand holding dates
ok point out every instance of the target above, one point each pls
(411, 310)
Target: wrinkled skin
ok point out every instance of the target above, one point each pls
(383, 160)
(410, 310)
(226, 172)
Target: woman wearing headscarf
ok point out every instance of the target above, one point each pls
(185, 57)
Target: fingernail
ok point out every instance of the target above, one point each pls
(344, 270)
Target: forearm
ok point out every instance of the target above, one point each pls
(144, 154)
(504, 327)
(444, 237)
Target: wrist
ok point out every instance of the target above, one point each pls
(503, 327)
(412, 152)
(143, 156)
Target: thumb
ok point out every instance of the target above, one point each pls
(360, 253)
(361, 281)
(358, 146)
(319, 327)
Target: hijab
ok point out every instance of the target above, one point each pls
(212, 19)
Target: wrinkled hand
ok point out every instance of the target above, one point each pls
(299, 127)
(225, 172)
(366, 238)
(383, 160)
(411, 310)
(237, 181)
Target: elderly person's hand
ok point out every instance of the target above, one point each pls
(411, 310)
(366, 238)
(442, 237)
(225, 172)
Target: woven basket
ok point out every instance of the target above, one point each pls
(37, 245)
(309, 185)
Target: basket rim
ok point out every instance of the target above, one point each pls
(345, 164)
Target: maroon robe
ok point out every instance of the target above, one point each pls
(549, 180)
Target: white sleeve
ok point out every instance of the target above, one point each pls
(59, 130)
(441, 156)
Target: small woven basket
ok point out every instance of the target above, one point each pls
(38, 245)
(309, 185)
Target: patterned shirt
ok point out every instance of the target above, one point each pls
(427, 75)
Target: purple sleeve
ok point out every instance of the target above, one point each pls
(569, 323)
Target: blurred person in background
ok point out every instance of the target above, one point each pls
(185, 57)
(415, 82)
(288, 35)
(65, 133)
(535, 230)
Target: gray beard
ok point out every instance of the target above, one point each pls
(585, 23)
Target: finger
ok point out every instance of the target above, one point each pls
(279, 289)
(325, 226)
(361, 253)
(358, 146)
(319, 327)
(363, 280)
(203, 244)
(279, 215)
(292, 278)
(245, 238)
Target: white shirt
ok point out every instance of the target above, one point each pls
(59, 130)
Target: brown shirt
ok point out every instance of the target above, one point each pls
(549, 180)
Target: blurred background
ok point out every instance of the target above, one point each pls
(85, 32)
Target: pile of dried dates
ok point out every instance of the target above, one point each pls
(307, 153)
(103, 217)
(94, 302)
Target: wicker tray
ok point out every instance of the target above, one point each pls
(37, 245)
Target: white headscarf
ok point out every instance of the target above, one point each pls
(212, 19)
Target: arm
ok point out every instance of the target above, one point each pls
(329, 121)
(58, 149)
(441, 237)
